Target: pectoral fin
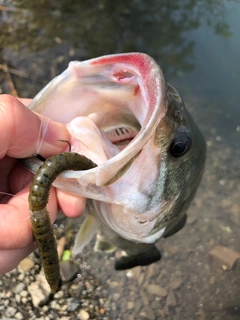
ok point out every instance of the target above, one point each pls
(85, 234)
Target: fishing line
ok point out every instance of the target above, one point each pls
(41, 133)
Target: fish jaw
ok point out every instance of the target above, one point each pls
(127, 89)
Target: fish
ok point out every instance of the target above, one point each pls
(149, 153)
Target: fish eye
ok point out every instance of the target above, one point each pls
(180, 146)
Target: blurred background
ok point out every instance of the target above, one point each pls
(197, 45)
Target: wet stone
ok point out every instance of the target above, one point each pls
(212, 280)
(147, 313)
(153, 271)
(137, 306)
(156, 290)
(155, 304)
(136, 272)
(176, 284)
(140, 279)
(144, 298)
(130, 305)
(191, 219)
(116, 296)
(224, 256)
(171, 300)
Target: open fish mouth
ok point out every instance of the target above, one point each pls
(111, 106)
(121, 114)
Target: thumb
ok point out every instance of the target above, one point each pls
(23, 132)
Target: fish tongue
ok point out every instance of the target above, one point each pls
(89, 140)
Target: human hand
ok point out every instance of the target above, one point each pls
(20, 129)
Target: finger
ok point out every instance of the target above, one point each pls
(9, 259)
(72, 206)
(21, 130)
(25, 101)
(15, 227)
(18, 178)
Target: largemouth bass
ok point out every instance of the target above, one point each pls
(149, 152)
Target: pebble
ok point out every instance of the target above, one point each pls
(26, 264)
(171, 299)
(137, 306)
(147, 313)
(155, 304)
(140, 279)
(176, 284)
(130, 305)
(55, 305)
(136, 272)
(21, 277)
(212, 280)
(113, 284)
(68, 270)
(18, 316)
(83, 315)
(59, 295)
(39, 290)
(191, 219)
(10, 312)
(24, 300)
(157, 290)
(116, 296)
(73, 304)
(19, 288)
(24, 293)
(144, 298)
(224, 256)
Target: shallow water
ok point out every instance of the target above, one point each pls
(197, 45)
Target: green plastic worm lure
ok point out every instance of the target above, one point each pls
(40, 220)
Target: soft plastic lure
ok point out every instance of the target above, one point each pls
(40, 220)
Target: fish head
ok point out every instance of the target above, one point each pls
(123, 116)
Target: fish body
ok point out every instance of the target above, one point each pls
(149, 152)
